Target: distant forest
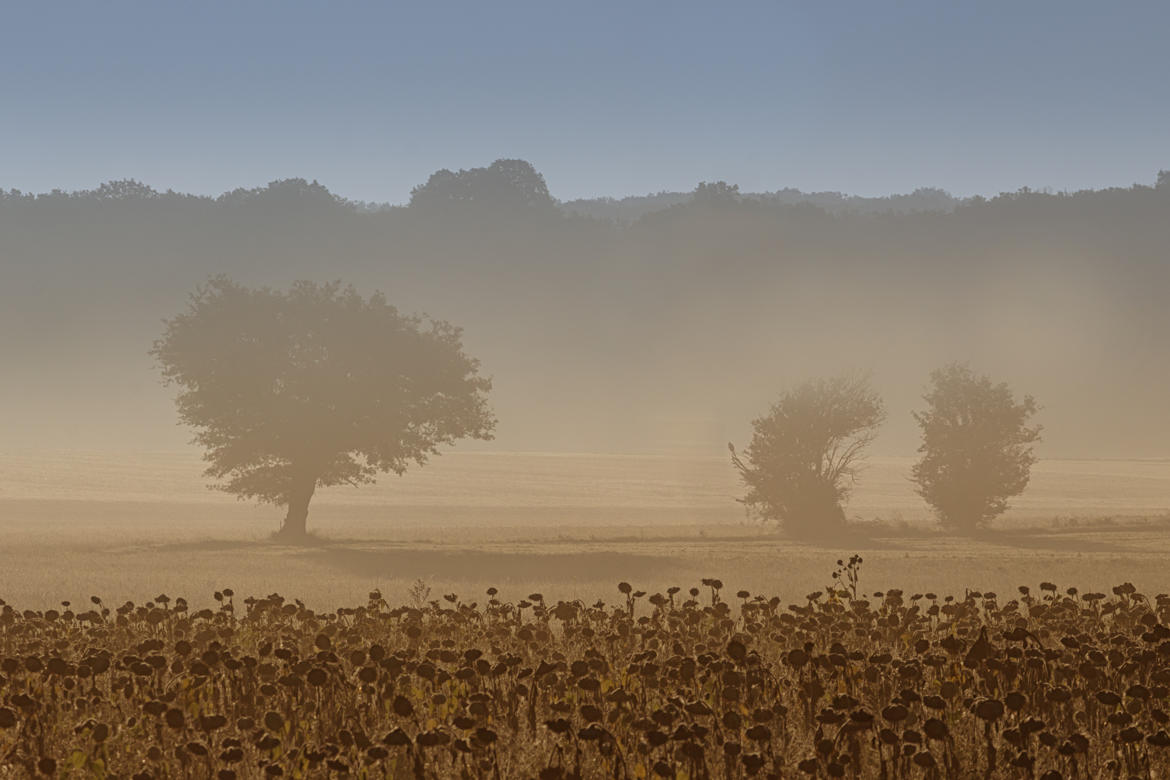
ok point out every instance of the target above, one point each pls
(653, 323)
(623, 210)
(634, 207)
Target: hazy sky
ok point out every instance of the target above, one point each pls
(604, 98)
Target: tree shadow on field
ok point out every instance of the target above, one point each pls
(475, 565)
(267, 544)
(857, 539)
(1054, 542)
(202, 546)
(889, 540)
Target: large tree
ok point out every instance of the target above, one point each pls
(315, 387)
(976, 447)
(804, 454)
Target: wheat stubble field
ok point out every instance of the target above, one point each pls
(129, 526)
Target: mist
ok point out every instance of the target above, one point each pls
(531, 390)
(665, 333)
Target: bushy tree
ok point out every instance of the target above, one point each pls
(804, 454)
(314, 387)
(976, 447)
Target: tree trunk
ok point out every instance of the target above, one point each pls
(294, 526)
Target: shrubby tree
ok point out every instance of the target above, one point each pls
(976, 447)
(804, 454)
(315, 387)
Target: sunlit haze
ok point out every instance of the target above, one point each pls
(601, 390)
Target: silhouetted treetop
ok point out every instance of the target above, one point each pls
(276, 195)
(717, 193)
(125, 189)
(292, 196)
(503, 184)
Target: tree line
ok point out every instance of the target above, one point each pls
(319, 386)
(719, 284)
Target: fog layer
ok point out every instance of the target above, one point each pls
(667, 330)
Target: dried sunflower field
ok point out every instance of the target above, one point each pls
(1046, 683)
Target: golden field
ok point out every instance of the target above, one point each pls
(127, 526)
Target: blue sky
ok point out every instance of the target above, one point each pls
(604, 98)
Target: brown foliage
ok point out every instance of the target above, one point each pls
(1048, 685)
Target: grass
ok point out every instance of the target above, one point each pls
(573, 566)
(131, 525)
(569, 527)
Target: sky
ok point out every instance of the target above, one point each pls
(604, 98)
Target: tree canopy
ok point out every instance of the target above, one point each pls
(718, 193)
(504, 184)
(976, 447)
(315, 387)
(804, 454)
